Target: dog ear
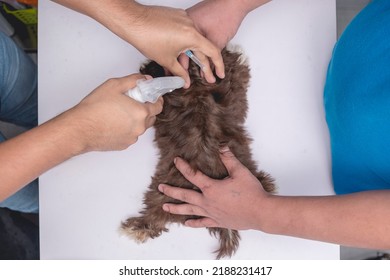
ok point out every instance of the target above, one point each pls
(153, 69)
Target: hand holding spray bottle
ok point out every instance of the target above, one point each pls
(151, 90)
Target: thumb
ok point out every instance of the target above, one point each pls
(184, 61)
(128, 82)
(232, 164)
(178, 70)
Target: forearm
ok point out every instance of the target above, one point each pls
(360, 220)
(28, 155)
(109, 13)
(97, 8)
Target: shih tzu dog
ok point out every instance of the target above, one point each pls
(194, 124)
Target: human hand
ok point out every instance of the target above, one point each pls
(229, 203)
(163, 33)
(217, 20)
(110, 120)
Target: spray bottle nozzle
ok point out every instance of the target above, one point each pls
(151, 90)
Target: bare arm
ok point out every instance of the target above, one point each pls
(160, 33)
(239, 202)
(105, 120)
(356, 220)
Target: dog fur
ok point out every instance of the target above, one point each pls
(194, 124)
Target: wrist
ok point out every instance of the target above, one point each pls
(250, 5)
(235, 8)
(243, 7)
(71, 133)
(270, 214)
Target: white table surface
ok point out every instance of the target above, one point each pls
(83, 200)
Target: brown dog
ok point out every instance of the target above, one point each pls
(194, 124)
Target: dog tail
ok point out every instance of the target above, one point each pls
(228, 241)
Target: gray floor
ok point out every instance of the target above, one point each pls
(346, 10)
(19, 235)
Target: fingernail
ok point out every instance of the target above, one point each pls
(224, 149)
(175, 160)
(187, 84)
(221, 75)
(165, 207)
(161, 188)
(212, 80)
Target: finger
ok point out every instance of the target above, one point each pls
(183, 209)
(185, 195)
(194, 176)
(129, 82)
(214, 53)
(208, 73)
(155, 108)
(201, 223)
(150, 121)
(178, 70)
(167, 72)
(184, 61)
(232, 164)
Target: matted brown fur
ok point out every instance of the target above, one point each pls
(194, 124)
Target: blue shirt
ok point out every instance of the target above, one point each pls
(357, 102)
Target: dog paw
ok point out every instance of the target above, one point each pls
(140, 231)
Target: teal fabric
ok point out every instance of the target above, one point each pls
(357, 102)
